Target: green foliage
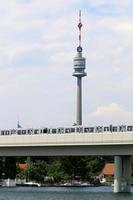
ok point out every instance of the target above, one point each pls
(82, 167)
(56, 171)
(35, 171)
(110, 179)
(74, 167)
(62, 168)
(94, 165)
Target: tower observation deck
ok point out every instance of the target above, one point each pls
(79, 72)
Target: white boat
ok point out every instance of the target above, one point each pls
(86, 184)
(32, 184)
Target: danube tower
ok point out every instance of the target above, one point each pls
(79, 72)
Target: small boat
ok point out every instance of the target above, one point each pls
(32, 184)
(86, 184)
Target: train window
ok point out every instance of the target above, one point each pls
(77, 129)
(72, 130)
(86, 130)
(2, 132)
(19, 132)
(98, 129)
(30, 131)
(23, 132)
(60, 130)
(36, 131)
(130, 128)
(7, 132)
(122, 128)
(45, 130)
(13, 131)
(106, 129)
(91, 129)
(67, 130)
(53, 130)
(114, 129)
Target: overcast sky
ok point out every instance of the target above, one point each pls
(38, 40)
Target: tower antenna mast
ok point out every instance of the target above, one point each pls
(80, 26)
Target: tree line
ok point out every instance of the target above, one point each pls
(61, 169)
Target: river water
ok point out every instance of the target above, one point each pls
(62, 193)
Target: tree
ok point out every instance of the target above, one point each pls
(56, 171)
(74, 167)
(94, 165)
(36, 171)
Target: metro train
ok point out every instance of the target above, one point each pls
(68, 130)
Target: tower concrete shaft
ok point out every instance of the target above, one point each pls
(79, 101)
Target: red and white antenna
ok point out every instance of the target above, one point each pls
(80, 26)
(79, 48)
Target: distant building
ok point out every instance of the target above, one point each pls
(107, 173)
(108, 170)
(22, 165)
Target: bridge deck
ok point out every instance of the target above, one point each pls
(67, 144)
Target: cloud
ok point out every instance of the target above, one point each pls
(113, 108)
(112, 113)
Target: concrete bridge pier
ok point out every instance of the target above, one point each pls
(122, 174)
(126, 174)
(28, 162)
(10, 167)
(117, 174)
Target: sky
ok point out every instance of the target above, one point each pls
(38, 41)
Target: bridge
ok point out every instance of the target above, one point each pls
(118, 144)
(67, 144)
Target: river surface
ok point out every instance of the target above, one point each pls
(62, 193)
